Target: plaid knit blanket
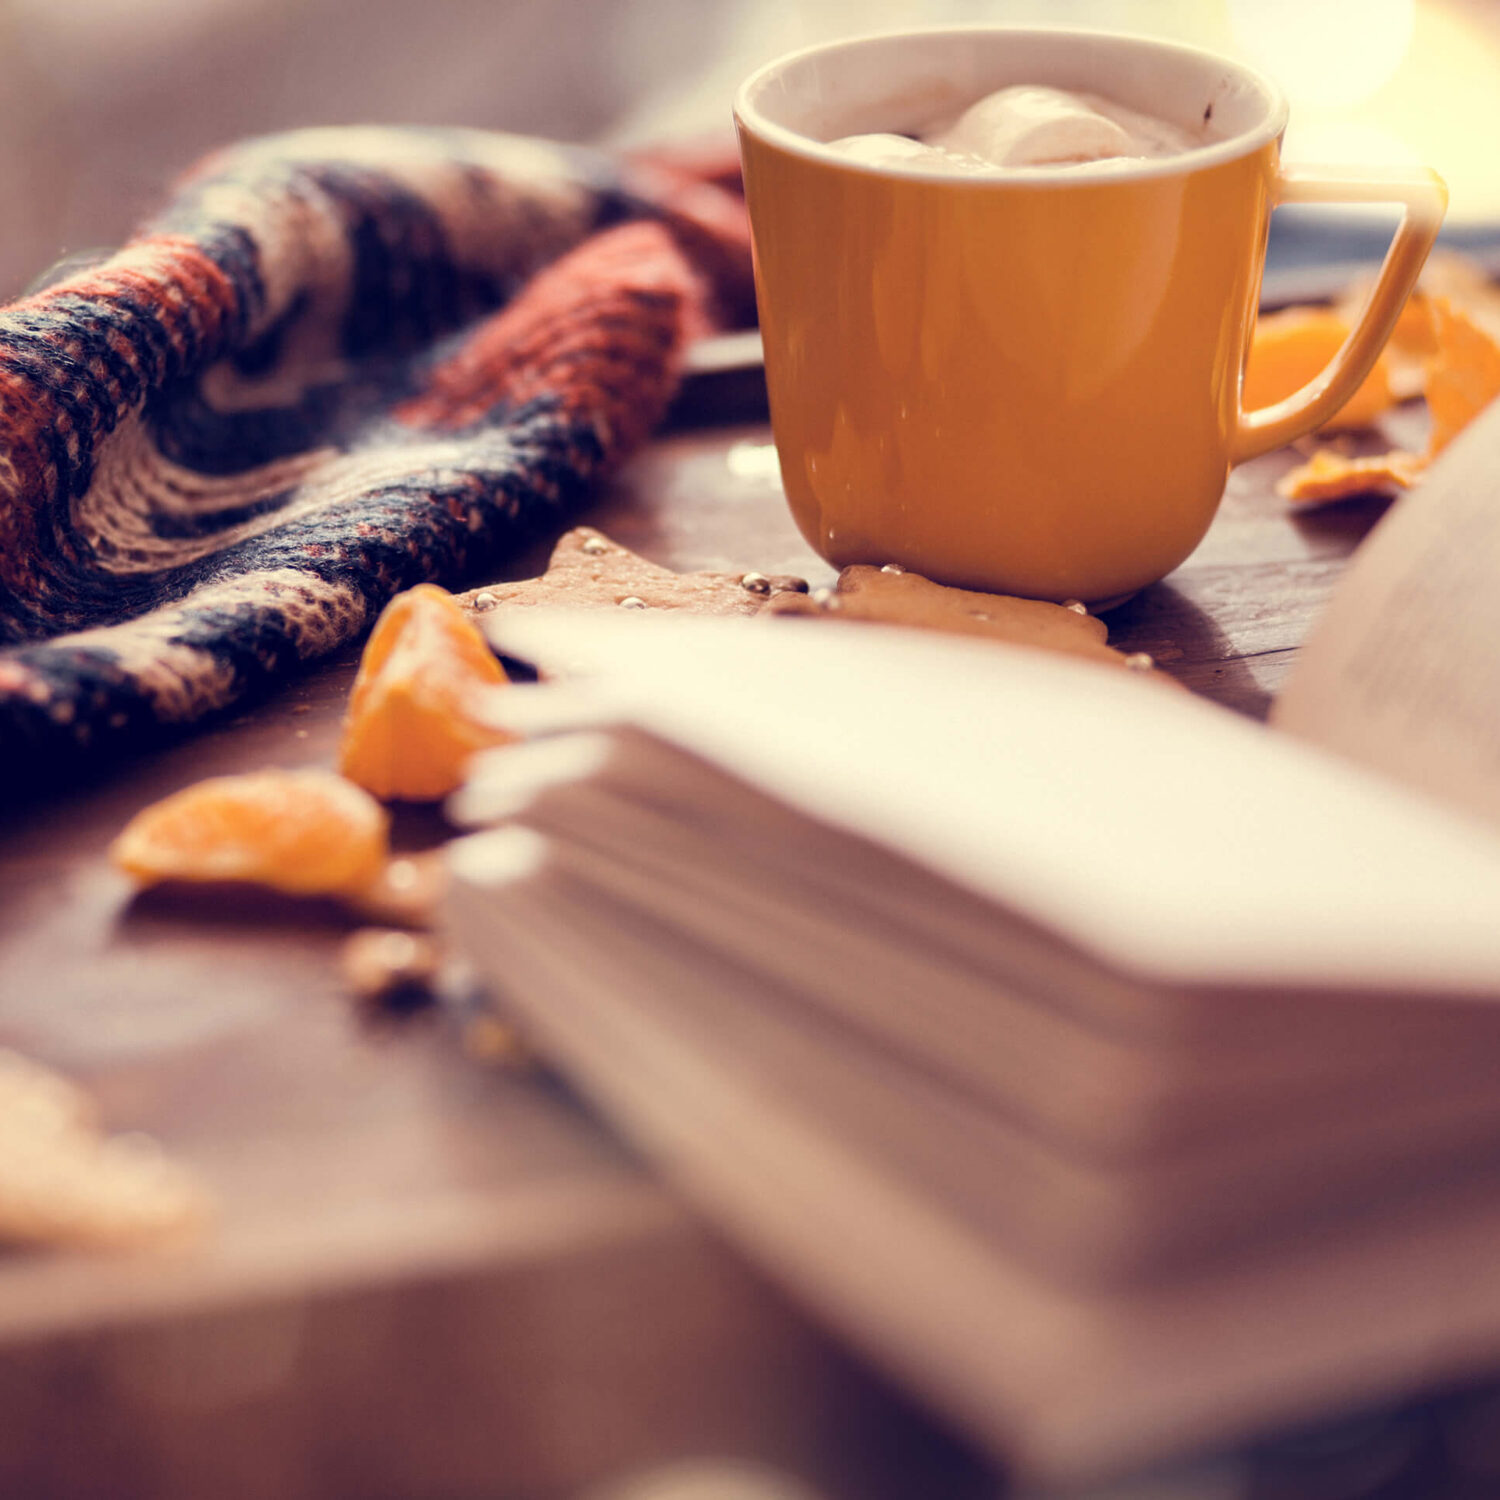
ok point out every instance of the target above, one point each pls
(341, 362)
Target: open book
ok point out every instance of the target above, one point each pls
(1117, 1072)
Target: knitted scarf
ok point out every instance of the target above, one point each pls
(341, 362)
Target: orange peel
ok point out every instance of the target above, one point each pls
(1446, 347)
(1463, 375)
(1292, 347)
(1329, 476)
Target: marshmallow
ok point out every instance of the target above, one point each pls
(903, 151)
(1026, 126)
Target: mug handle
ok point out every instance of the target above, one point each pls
(1426, 197)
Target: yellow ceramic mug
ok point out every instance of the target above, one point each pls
(1029, 382)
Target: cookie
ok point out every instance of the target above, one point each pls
(589, 571)
(892, 596)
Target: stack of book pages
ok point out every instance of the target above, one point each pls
(1119, 1073)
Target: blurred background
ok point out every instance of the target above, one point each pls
(103, 101)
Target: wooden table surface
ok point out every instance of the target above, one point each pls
(431, 1278)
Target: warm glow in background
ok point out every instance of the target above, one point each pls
(102, 101)
(1368, 80)
(1387, 80)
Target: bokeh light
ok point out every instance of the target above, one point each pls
(1327, 53)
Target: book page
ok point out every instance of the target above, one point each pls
(1154, 831)
(1063, 1382)
(1402, 673)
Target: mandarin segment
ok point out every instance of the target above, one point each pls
(411, 726)
(1293, 347)
(301, 832)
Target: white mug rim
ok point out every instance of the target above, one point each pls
(1244, 143)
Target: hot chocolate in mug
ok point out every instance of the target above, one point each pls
(1027, 380)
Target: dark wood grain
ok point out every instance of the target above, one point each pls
(430, 1279)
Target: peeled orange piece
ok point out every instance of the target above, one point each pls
(304, 832)
(1291, 348)
(411, 726)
